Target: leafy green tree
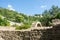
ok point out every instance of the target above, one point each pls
(19, 18)
(58, 16)
(4, 22)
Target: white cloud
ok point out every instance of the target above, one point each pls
(10, 7)
(43, 6)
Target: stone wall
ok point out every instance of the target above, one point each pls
(24, 35)
(36, 34)
(56, 32)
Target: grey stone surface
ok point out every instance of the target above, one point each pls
(22, 35)
(35, 34)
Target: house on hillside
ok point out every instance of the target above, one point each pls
(36, 24)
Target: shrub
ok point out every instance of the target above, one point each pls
(24, 26)
(4, 22)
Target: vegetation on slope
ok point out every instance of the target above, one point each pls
(45, 18)
(48, 15)
(4, 22)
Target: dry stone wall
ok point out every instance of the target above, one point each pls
(56, 32)
(36, 34)
(23, 35)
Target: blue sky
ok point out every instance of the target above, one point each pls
(29, 7)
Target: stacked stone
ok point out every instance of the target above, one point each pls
(56, 32)
(22, 35)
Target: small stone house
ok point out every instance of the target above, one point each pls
(36, 24)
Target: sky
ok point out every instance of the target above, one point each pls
(29, 7)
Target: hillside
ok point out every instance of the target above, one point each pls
(11, 15)
(14, 17)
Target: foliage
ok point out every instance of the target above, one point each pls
(48, 15)
(12, 15)
(19, 18)
(4, 22)
(24, 26)
(46, 19)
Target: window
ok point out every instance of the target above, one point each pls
(38, 25)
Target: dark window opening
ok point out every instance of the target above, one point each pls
(38, 25)
(50, 39)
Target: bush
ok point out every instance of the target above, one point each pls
(24, 26)
(17, 27)
(7, 24)
(4, 22)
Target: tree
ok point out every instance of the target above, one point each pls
(19, 18)
(57, 16)
(4, 22)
